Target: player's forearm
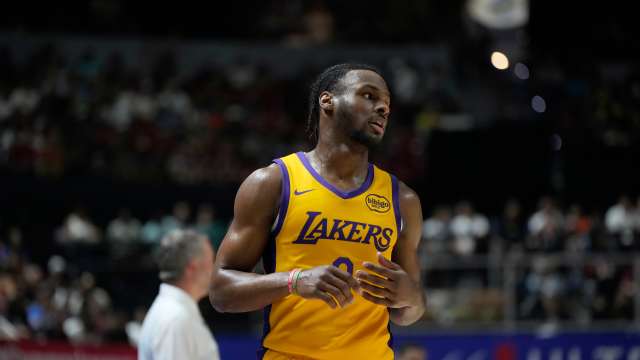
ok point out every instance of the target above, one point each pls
(408, 315)
(237, 291)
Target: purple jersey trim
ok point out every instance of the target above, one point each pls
(266, 328)
(284, 197)
(395, 191)
(345, 195)
(269, 255)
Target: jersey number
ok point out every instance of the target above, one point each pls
(346, 262)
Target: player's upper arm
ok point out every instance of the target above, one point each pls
(255, 210)
(406, 253)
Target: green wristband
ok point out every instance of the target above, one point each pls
(295, 283)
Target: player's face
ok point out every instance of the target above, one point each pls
(363, 107)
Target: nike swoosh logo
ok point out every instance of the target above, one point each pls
(296, 192)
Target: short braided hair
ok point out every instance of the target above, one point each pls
(328, 80)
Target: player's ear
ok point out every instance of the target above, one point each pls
(326, 101)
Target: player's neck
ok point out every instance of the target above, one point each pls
(340, 159)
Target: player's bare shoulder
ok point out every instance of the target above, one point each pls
(268, 177)
(261, 190)
(407, 195)
(411, 212)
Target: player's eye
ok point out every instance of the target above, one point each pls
(368, 95)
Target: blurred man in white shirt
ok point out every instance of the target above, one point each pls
(174, 327)
(621, 222)
(468, 228)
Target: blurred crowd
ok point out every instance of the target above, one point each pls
(564, 264)
(63, 298)
(97, 116)
(554, 278)
(463, 231)
(55, 301)
(125, 235)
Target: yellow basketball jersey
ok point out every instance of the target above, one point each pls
(320, 225)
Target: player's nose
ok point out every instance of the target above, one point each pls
(382, 109)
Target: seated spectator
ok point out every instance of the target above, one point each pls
(544, 289)
(91, 310)
(469, 229)
(178, 219)
(12, 252)
(510, 227)
(174, 106)
(623, 302)
(601, 288)
(578, 229)
(123, 233)
(80, 239)
(10, 327)
(621, 222)
(78, 229)
(545, 227)
(123, 228)
(436, 232)
(152, 230)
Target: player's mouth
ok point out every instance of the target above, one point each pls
(377, 126)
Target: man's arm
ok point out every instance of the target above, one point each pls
(401, 288)
(234, 287)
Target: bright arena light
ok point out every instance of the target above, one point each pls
(522, 71)
(499, 60)
(538, 104)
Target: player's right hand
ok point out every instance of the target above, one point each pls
(327, 283)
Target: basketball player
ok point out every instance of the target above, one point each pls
(338, 235)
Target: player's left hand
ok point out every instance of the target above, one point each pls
(388, 284)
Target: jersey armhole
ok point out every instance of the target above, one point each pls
(284, 199)
(395, 193)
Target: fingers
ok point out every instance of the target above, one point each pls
(335, 292)
(376, 300)
(388, 263)
(342, 285)
(345, 276)
(326, 298)
(374, 279)
(380, 270)
(375, 290)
